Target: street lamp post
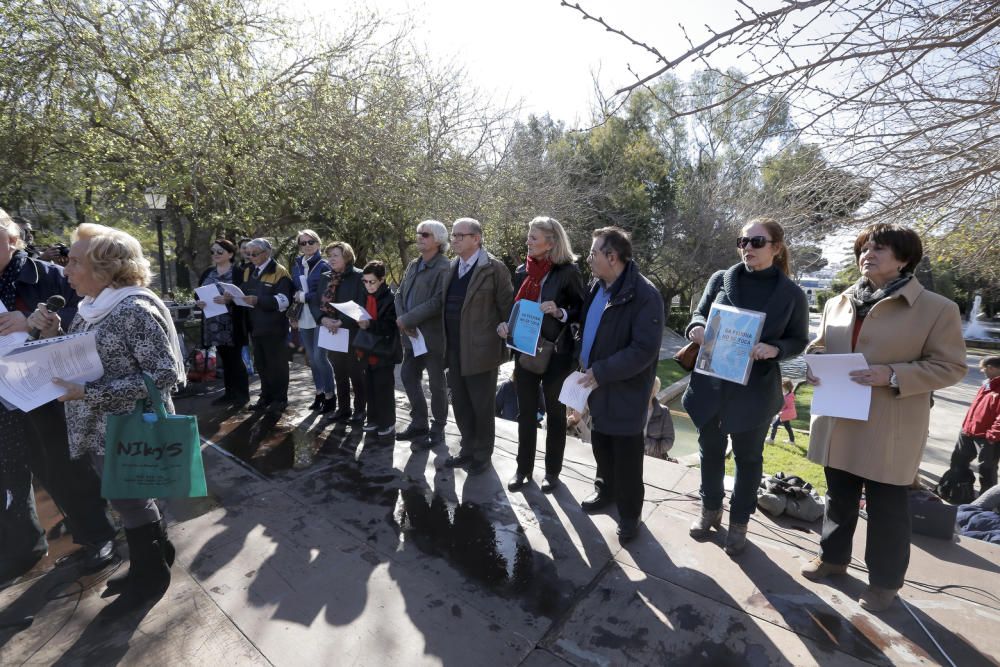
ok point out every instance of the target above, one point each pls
(156, 201)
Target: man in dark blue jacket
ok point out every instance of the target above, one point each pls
(620, 343)
(73, 485)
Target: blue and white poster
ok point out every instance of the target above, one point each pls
(525, 326)
(730, 336)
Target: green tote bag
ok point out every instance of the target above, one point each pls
(152, 455)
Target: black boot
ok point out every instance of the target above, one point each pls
(115, 584)
(150, 556)
(317, 404)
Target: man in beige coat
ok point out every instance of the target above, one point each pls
(477, 295)
(912, 341)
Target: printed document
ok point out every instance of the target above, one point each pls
(338, 342)
(837, 395)
(419, 344)
(26, 373)
(573, 393)
(207, 293)
(352, 310)
(236, 293)
(525, 325)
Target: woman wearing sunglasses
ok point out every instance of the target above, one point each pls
(729, 411)
(306, 272)
(226, 332)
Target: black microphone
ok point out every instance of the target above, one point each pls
(54, 304)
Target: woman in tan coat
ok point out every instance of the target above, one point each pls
(912, 340)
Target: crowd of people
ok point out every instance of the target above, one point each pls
(450, 319)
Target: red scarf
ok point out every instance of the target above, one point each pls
(531, 288)
(371, 305)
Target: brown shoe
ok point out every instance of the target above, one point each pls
(877, 599)
(817, 569)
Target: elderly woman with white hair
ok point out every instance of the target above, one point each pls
(135, 337)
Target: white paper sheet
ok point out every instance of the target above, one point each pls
(573, 393)
(837, 395)
(352, 310)
(11, 340)
(419, 344)
(26, 373)
(207, 293)
(337, 342)
(237, 294)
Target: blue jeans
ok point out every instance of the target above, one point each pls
(748, 450)
(319, 361)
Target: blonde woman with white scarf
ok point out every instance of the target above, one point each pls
(135, 336)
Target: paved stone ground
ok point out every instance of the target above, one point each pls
(318, 547)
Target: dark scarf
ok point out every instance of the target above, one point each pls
(330, 295)
(8, 279)
(864, 295)
(531, 288)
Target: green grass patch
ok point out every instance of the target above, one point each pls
(669, 372)
(789, 458)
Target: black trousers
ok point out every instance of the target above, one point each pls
(234, 371)
(472, 398)
(74, 486)
(619, 470)
(270, 356)
(748, 451)
(555, 421)
(969, 449)
(349, 373)
(380, 382)
(887, 547)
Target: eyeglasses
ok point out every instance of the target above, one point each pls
(218, 252)
(757, 242)
(593, 254)
(456, 236)
(426, 235)
(308, 242)
(370, 281)
(254, 254)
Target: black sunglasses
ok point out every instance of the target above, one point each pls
(309, 242)
(425, 235)
(752, 241)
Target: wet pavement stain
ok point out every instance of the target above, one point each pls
(467, 536)
(604, 638)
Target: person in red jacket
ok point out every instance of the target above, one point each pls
(980, 435)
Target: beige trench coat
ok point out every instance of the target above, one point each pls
(919, 334)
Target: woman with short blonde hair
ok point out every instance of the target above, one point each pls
(135, 337)
(307, 269)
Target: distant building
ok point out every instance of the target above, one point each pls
(813, 283)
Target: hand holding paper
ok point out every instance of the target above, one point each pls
(207, 294)
(837, 395)
(574, 394)
(352, 310)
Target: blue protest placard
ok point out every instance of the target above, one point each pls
(525, 326)
(730, 335)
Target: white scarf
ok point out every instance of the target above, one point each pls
(93, 310)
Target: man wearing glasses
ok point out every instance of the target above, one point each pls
(418, 306)
(269, 288)
(477, 295)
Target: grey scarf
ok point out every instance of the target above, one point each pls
(864, 295)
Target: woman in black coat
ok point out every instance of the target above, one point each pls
(340, 285)
(549, 277)
(226, 332)
(383, 353)
(726, 410)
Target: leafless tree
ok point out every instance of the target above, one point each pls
(905, 93)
